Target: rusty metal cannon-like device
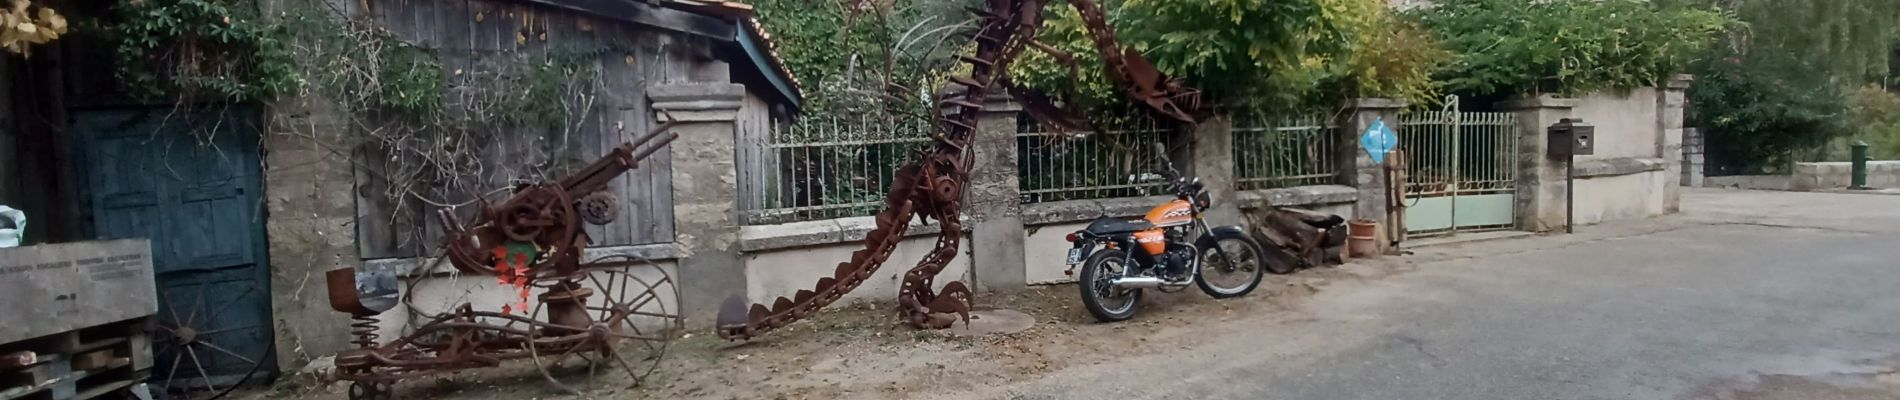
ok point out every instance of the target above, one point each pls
(616, 311)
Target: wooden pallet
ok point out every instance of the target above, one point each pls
(81, 364)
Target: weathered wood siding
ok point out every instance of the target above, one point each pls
(755, 128)
(471, 35)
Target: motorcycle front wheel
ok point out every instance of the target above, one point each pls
(1104, 301)
(1232, 266)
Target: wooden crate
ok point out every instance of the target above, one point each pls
(80, 364)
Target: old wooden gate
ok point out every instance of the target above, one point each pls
(1462, 170)
(191, 185)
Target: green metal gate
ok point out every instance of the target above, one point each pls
(1461, 170)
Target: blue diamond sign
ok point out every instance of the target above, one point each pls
(1378, 140)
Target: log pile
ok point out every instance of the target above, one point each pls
(1303, 238)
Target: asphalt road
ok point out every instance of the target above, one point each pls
(1747, 295)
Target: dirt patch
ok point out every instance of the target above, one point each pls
(862, 351)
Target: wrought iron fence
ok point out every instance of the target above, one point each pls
(1056, 166)
(823, 166)
(1281, 152)
(1452, 153)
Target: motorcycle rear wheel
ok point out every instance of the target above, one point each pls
(1103, 300)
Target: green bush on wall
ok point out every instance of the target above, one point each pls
(1509, 47)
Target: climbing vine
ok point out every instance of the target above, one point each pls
(422, 124)
(193, 51)
(425, 126)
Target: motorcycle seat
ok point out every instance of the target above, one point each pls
(1118, 225)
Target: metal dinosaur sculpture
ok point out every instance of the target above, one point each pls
(930, 186)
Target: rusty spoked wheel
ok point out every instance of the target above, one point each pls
(640, 305)
(632, 314)
(202, 346)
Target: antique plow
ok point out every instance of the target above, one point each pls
(531, 241)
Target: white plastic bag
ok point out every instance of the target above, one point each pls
(11, 237)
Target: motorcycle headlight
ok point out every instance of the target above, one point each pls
(1203, 199)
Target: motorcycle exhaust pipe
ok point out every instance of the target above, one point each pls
(1147, 282)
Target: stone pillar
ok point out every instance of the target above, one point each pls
(705, 188)
(1692, 173)
(310, 198)
(1213, 162)
(1669, 115)
(1540, 177)
(992, 205)
(309, 194)
(1356, 168)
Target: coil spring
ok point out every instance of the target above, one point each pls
(363, 328)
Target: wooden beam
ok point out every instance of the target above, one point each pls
(637, 12)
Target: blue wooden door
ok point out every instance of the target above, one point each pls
(190, 185)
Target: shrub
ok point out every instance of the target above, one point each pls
(1508, 47)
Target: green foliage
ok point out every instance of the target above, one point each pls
(1390, 57)
(1875, 115)
(537, 96)
(1510, 47)
(1284, 53)
(202, 50)
(1755, 121)
(860, 60)
(1242, 49)
(1780, 91)
(411, 79)
(1847, 40)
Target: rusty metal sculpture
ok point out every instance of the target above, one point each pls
(931, 184)
(533, 240)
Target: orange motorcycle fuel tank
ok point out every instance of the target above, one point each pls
(1171, 214)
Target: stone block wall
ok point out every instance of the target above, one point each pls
(1636, 171)
(1839, 175)
(1693, 174)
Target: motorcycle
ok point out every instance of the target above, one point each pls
(1169, 249)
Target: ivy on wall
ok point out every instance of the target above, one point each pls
(421, 125)
(192, 51)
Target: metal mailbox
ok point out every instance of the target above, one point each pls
(1572, 137)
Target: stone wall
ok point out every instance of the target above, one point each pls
(1634, 173)
(311, 210)
(1693, 173)
(1751, 182)
(1839, 175)
(1625, 122)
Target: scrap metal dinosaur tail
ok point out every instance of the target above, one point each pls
(930, 185)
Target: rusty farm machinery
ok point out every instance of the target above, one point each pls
(613, 311)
